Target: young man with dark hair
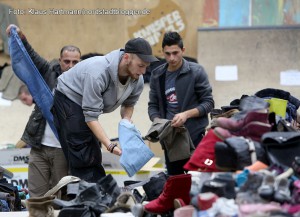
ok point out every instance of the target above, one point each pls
(180, 91)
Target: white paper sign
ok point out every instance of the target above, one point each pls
(226, 73)
(290, 78)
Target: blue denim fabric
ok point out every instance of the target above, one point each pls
(4, 206)
(291, 112)
(26, 71)
(135, 153)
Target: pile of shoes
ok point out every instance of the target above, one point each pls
(90, 199)
(262, 127)
(247, 164)
(269, 190)
(10, 195)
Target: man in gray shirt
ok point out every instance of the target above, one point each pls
(97, 85)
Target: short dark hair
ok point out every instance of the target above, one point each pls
(69, 48)
(172, 38)
(89, 55)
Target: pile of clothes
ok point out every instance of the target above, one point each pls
(10, 196)
(247, 164)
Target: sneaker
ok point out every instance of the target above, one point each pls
(282, 193)
(266, 190)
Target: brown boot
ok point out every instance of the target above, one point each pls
(40, 206)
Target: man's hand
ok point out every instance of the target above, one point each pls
(17, 28)
(117, 151)
(179, 119)
(126, 112)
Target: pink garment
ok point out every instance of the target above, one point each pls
(291, 209)
(250, 209)
(185, 211)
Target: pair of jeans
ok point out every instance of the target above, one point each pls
(135, 153)
(27, 72)
(80, 145)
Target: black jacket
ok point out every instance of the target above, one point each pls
(36, 124)
(193, 90)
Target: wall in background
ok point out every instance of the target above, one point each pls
(92, 32)
(236, 13)
(245, 60)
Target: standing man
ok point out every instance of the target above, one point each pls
(47, 163)
(180, 91)
(97, 85)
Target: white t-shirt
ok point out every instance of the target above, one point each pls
(49, 138)
(122, 88)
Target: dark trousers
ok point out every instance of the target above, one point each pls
(80, 146)
(176, 167)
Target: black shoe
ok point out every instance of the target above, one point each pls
(110, 188)
(130, 182)
(74, 211)
(214, 186)
(154, 187)
(229, 181)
